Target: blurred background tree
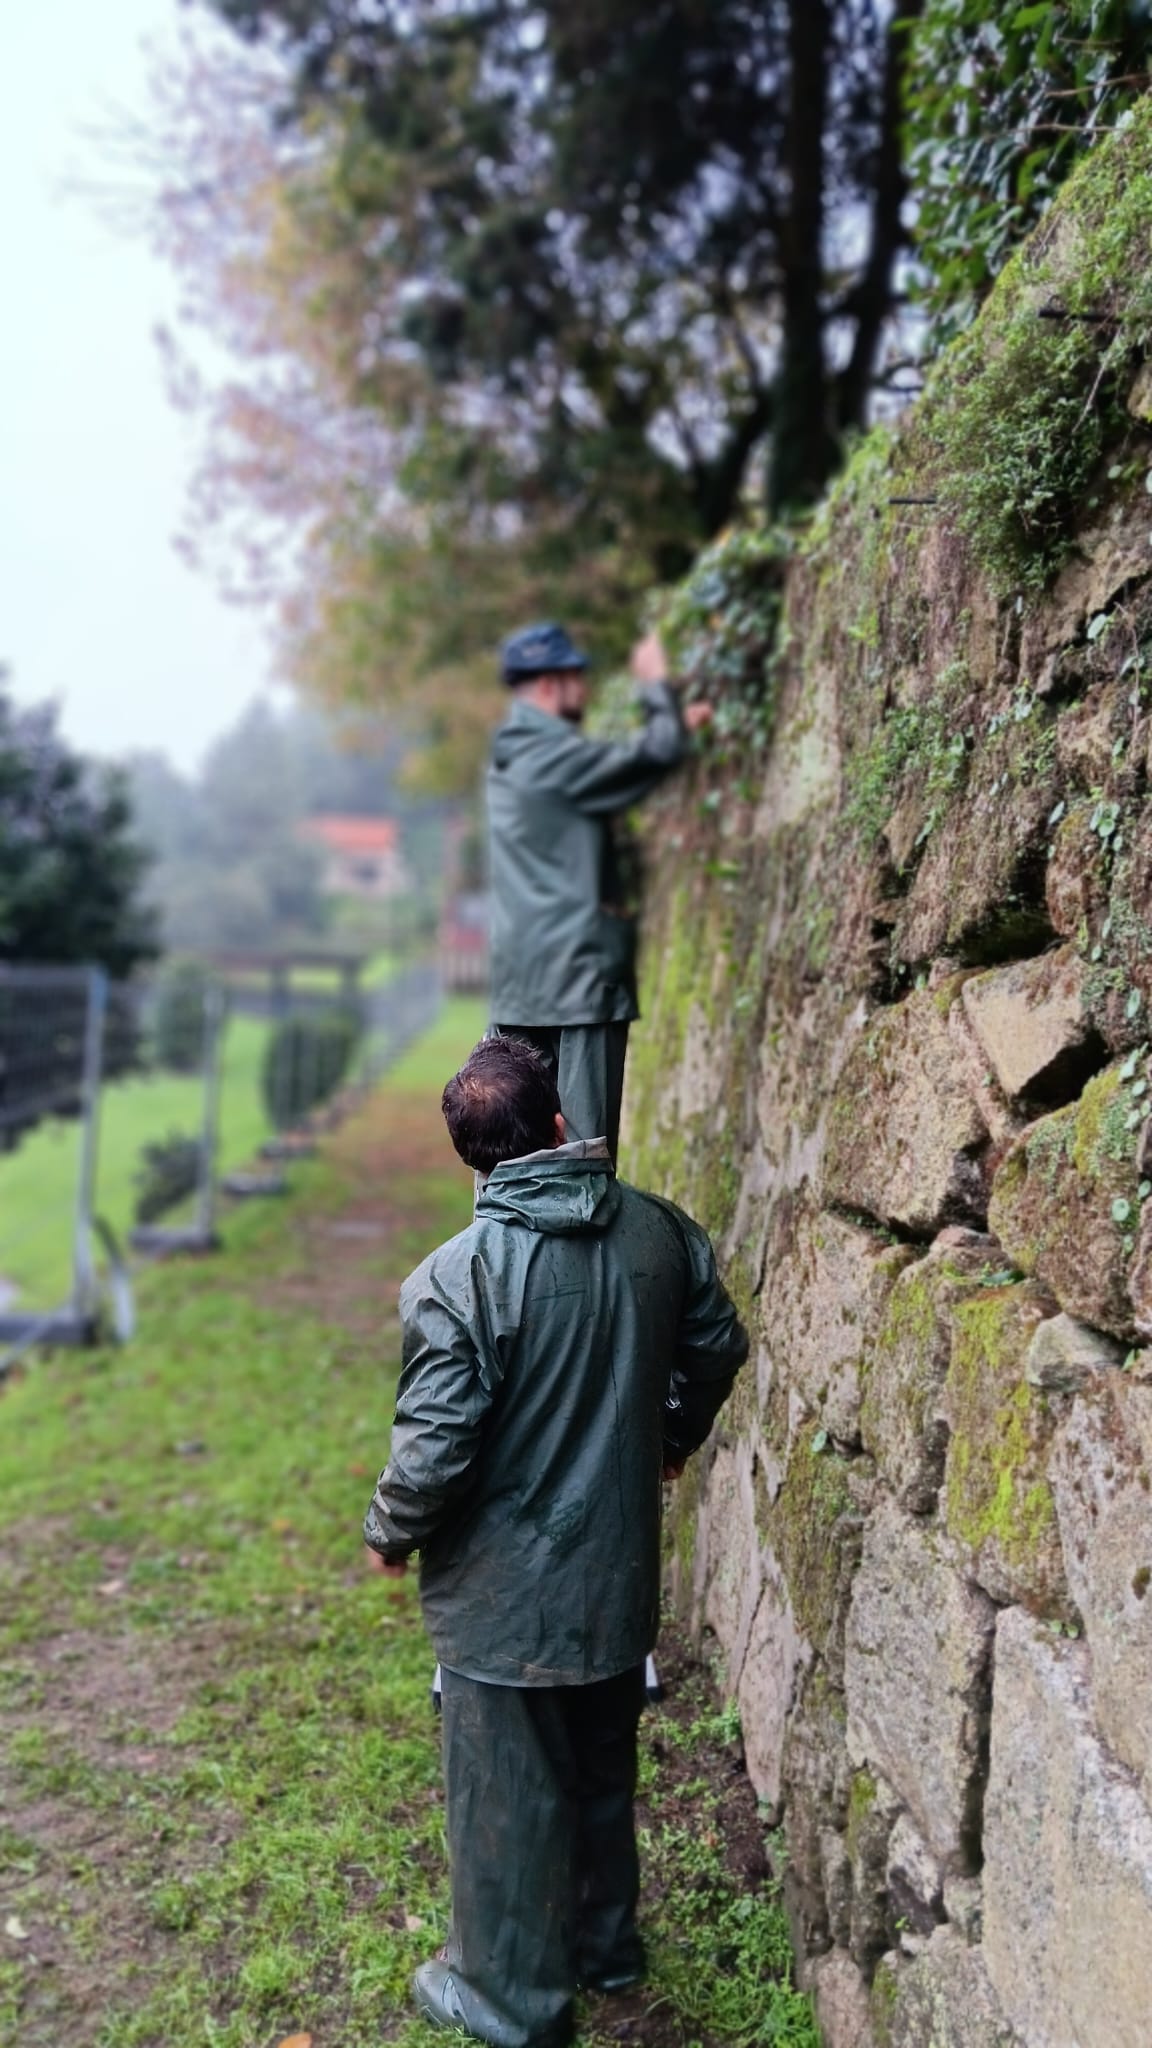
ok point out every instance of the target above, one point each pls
(234, 868)
(531, 300)
(72, 869)
(1003, 101)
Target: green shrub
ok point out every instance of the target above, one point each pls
(305, 1061)
(1025, 409)
(168, 1173)
(178, 1026)
(721, 627)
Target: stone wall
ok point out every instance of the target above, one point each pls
(896, 1056)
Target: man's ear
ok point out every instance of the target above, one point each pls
(561, 1128)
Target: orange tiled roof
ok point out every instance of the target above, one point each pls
(353, 835)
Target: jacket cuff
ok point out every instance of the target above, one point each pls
(659, 696)
(374, 1537)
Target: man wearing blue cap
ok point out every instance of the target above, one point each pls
(563, 937)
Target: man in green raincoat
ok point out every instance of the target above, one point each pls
(563, 945)
(562, 1355)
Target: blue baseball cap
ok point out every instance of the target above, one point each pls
(543, 650)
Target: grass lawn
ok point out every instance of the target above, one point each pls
(38, 1180)
(379, 966)
(220, 1810)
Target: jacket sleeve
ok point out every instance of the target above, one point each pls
(603, 776)
(441, 1405)
(713, 1345)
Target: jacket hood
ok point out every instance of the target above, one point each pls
(558, 1193)
(524, 724)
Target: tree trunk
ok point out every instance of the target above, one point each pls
(803, 445)
(872, 300)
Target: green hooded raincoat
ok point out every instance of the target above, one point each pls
(563, 945)
(555, 1354)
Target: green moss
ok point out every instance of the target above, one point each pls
(995, 1488)
(908, 1328)
(1046, 1149)
(885, 1992)
(1100, 1138)
(920, 751)
(861, 1799)
(805, 1525)
(705, 980)
(947, 994)
(682, 1524)
(1021, 408)
(859, 497)
(1093, 1136)
(1019, 440)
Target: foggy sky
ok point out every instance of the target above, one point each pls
(96, 609)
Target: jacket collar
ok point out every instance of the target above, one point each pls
(585, 1151)
(523, 713)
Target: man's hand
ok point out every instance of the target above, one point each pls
(670, 1472)
(376, 1563)
(697, 716)
(649, 661)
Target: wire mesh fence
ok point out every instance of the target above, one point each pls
(62, 1031)
(102, 1147)
(396, 1013)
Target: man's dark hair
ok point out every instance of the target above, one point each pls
(502, 1104)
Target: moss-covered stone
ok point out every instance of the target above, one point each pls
(1065, 1201)
(997, 1500)
(901, 1411)
(813, 1527)
(1021, 425)
(861, 1800)
(904, 1133)
(826, 1282)
(872, 1810)
(885, 1993)
(680, 1533)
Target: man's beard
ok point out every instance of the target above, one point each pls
(573, 717)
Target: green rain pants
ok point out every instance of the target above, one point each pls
(588, 1062)
(539, 1785)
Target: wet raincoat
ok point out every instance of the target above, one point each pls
(555, 1354)
(563, 945)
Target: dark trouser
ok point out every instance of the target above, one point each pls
(542, 1846)
(588, 1062)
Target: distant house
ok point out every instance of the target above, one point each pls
(362, 856)
(464, 943)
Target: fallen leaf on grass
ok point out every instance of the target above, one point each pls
(358, 1471)
(296, 2041)
(16, 1928)
(413, 1923)
(111, 1587)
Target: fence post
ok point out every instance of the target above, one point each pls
(85, 1298)
(214, 1013)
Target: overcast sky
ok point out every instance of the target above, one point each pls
(96, 609)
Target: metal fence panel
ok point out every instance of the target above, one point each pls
(64, 1034)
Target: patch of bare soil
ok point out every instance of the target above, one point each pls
(81, 1950)
(342, 1264)
(109, 1698)
(85, 1934)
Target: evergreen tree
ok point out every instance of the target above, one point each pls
(71, 869)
